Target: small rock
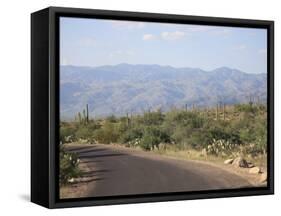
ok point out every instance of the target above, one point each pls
(255, 170)
(263, 177)
(71, 180)
(228, 161)
(250, 165)
(240, 162)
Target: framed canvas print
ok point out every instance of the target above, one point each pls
(138, 107)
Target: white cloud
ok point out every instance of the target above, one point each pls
(222, 31)
(262, 51)
(172, 35)
(127, 24)
(148, 37)
(190, 29)
(187, 27)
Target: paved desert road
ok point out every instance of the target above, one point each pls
(119, 171)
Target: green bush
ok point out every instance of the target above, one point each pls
(152, 137)
(68, 166)
(111, 119)
(67, 133)
(248, 108)
(147, 142)
(151, 118)
(84, 132)
(181, 134)
(198, 139)
(219, 133)
(261, 136)
(222, 148)
(131, 134)
(107, 133)
(186, 119)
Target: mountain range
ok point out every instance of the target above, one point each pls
(130, 88)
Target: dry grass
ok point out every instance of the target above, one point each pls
(192, 154)
(218, 161)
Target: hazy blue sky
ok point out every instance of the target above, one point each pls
(94, 42)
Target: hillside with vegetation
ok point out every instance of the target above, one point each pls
(220, 132)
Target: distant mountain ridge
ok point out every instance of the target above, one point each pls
(134, 88)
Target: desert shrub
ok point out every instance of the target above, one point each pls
(93, 125)
(121, 126)
(68, 166)
(84, 132)
(107, 133)
(222, 148)
(183, 118)
(147, 142)
(133, 143)
(219, 133)
(248, 108)
(260, 145)
(151, 118)
(244, 126)
(71, 132)
(251, 149)
(152, 137)
(247, 134)
(111, 119)
(198, 139)
(218, 130)
(181, 134)
(67, 133)
(260, 136)
(262, 107)
(181, 127)
(131, 134)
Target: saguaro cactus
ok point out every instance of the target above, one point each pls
(217, 112)
(79, 117)
(84, 115)
(223, 111)
(251, 100)
(87, 113)
(128, 119)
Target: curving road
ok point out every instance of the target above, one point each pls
(122, 171)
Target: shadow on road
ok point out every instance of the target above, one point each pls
(69, 148)
(92, 161)
(92, 180)
(94, 172)
(95, 175)
(102, 155)
(87, 151)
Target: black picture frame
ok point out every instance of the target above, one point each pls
(45, 105)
